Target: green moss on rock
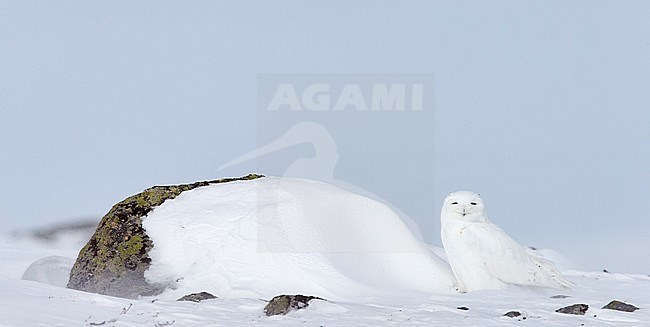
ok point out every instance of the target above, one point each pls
(115, 258)
(283, 304)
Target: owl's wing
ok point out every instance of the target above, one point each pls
(508, 261)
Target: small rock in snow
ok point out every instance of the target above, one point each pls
(283, 304)
(559, 296)
(197, 297)
(512, 314)
(620, 306)
(575, 309)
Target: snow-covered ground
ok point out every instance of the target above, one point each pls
(246, 271)
(29, 303)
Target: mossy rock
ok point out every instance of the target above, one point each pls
(115, 258)
(283, 304)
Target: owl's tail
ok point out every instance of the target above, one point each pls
(555, 276)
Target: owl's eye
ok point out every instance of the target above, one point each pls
(454, 203)
(473, 203)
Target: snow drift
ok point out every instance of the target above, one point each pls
(283, 235)
(53, 270)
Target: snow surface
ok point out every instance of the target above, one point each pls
(28, 303)
(38, 303)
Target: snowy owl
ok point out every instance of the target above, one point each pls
(483, 256)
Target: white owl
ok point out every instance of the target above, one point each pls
(483, 256)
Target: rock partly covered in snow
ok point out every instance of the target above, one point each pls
(512, 314)
(277, 235)
(115, 258)
(197, 297)
(620, 306)
(574, 309)
(283, 304)
(255, 237)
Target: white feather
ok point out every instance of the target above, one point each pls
(483, 256)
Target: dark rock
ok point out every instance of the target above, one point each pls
(559, 296)
(620, 306)
(512, 314)
(463, 308)
(197, 297)
(575, 309)
(283, 304)
(115, 258)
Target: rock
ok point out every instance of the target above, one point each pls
(197, 297)
(620, 306)
(512, 314)
(283, 304)
(575, 309)
(115, 258)
(560, 296)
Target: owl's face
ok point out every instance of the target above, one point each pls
(464, 205)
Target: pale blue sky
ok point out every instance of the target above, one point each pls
(542, 107)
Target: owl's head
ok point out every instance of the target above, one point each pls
(464, 205)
